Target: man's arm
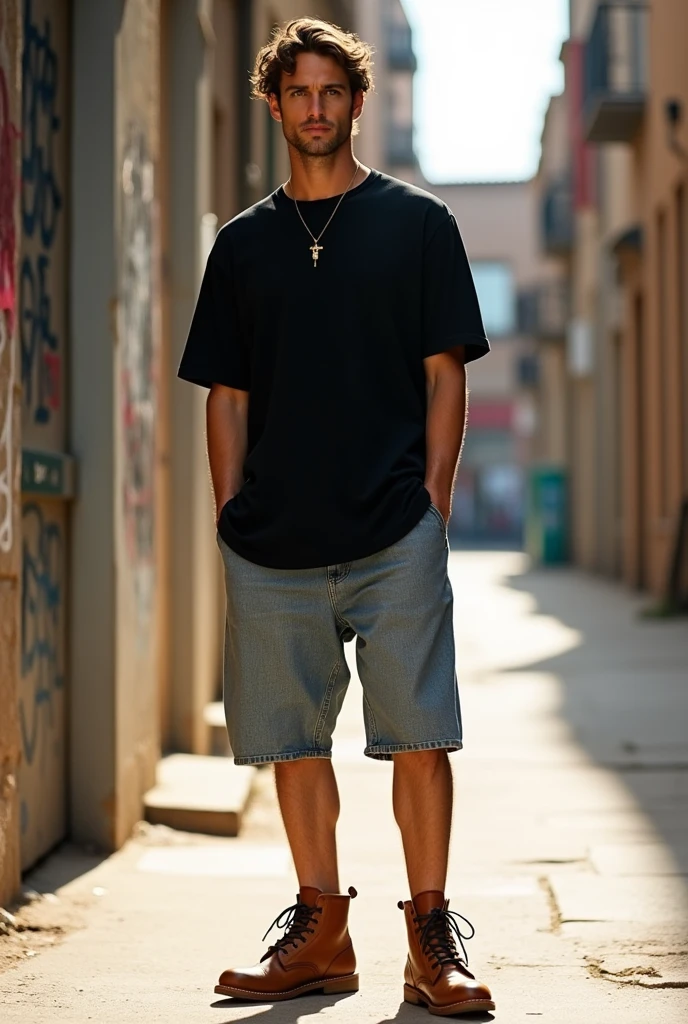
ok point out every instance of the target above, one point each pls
(445, 376)
(226, 422)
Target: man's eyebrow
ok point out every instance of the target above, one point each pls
(330, 85)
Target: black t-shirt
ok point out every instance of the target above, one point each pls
(332, 357)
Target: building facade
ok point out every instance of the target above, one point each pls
(612, 405)
(498, 225)
(386, 139)
(127, 136)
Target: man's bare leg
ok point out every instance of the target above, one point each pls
(309, 802)
(422, 795)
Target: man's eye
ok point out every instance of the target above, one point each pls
(333, 92)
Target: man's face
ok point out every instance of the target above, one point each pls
(315, 105)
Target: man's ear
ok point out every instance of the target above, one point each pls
(357, 104)
(274, 105)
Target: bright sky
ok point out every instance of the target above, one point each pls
(486, 69)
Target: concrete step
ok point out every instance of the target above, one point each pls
(214, 717)
(200, 794)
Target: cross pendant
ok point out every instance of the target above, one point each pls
(316, 250)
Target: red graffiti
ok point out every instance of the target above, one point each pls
(52, 364)
(8, 190)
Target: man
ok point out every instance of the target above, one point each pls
(333, 326)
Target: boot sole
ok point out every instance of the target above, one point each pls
(328, 987)
(412, 995)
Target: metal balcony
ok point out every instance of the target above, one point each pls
(557, 217)
(400, 55)
(400, 151)
(543, 311)
(615, 80)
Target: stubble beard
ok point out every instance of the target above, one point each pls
(319, 148)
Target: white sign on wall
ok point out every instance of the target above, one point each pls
(579, 347)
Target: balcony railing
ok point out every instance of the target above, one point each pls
(615, 83)
(543, 311)
(400, 55)
(400, 151)
(557, 217)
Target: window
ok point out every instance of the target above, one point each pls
(495, 287)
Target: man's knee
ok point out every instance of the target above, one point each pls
(421, 760)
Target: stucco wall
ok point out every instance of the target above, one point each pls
(115, 381)
(654, 346)
(659, 172)
(497, 222)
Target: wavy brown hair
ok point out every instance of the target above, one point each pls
(310, 35)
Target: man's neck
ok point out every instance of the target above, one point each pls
(323, 177)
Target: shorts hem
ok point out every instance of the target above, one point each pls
(383, 752)
(293, 755)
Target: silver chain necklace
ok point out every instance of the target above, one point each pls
(316, 249)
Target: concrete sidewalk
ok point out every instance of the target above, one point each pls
(570, 848)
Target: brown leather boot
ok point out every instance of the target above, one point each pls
(436, 974)
(315, 953)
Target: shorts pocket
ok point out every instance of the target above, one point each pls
(439, 517)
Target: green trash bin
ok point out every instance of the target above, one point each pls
(547, 515)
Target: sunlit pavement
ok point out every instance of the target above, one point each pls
(570, 848)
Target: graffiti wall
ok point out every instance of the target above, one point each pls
(138, 370)
(41, 702)
(10, 60)
(42, 329)
(9, 187)
(137, 387)
(42, 285)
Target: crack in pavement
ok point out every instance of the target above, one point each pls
(632, 975)
(555, 918)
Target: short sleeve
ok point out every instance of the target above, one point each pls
(214, 352)
(451, 314)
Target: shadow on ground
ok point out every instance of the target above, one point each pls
(311, 1005)
(63, 864)
(625, 691)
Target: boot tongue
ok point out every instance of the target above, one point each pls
(309, 895)
(424, 902)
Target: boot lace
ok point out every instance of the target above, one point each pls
(296, 921)
(440, 930)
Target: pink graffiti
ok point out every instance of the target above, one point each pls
(8, 190)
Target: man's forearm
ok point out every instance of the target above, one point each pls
(445, 427)
(226, 421)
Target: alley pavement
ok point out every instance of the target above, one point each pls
(569, 853)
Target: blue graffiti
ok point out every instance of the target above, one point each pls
(40, 369)
(41, 611)
(41, 203)
(41, 199)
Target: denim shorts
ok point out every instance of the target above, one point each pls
(285, 674)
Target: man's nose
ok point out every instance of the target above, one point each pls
(315, 106)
